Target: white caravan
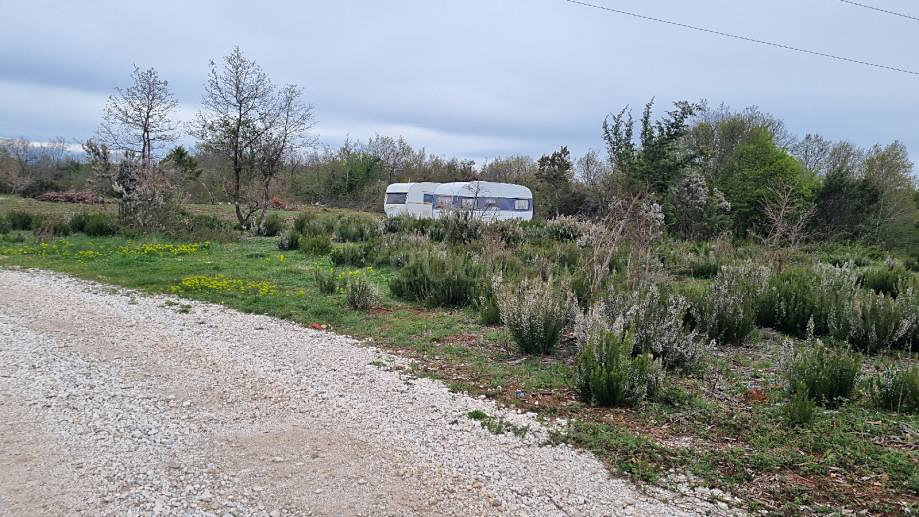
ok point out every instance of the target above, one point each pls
(487, 200)
(414, 199)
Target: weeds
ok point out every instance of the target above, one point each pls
(497, 425)
(827, 374)
(895, 389)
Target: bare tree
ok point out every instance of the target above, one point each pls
(288, 132)
(787, 217)
(393, 154)
(813, 152)
(245, 119)
(591, 168)
(138, 119)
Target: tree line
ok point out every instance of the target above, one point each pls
(712, 170)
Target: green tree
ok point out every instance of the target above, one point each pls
(758, 169)
(555, 173)
(183, 161)
(659, 159)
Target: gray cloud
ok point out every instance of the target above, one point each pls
(473, 78)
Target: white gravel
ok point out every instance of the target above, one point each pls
(113, 402)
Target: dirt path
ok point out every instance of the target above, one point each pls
(112, 402)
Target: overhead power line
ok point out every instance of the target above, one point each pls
(878, 9)
(744, 38)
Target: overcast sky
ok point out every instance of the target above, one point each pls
(472, 78)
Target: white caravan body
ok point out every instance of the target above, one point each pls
(413, 199)
(487, 200)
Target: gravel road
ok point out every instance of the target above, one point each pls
(116, 403)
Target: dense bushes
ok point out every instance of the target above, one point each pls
(22, 220)
(657, 321)
(356, 229)
(886, 279)
(607, 374)
(797, 296)
(827, 374)
(94, 225)
(440, 278)
(312, 233)
(5, 226)
(878, 322)
(535, 313)
(727, 310)
(315, 244)
(350, 254)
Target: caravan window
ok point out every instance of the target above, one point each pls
(396, 198)
(429, 199)
(521, 204)
(488, 203)
(443, 201)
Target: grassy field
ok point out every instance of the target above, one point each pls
(723, 427)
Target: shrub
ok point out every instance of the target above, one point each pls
(727, 311)
(316, 245)
(607, 374)
(487, 303)
(100, 225)
(61, 228)
(406, 224)
(440, 278)
(350, 254)
(510, 231)
(800, 409)
(895, 390)
(271, 226)
(50, 229)
(879, 322)
(289, 241)
(657, 321)
(567, 256)
(535, 313)
(704, 267)
(797, 296)
(828, 374)
(326, 280)
(201, 227)
(356, 229)
(5, 225)
(360, 293)
(22, 220)
(308, 223)
(457, 227)
(78, 222)
(912, 264)
(886, 279)
(562, 228)
(39, 186)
